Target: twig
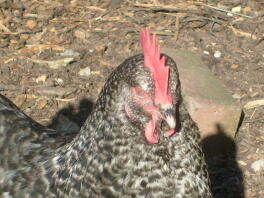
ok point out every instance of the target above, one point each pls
(177, 25)
(162, 8)
(65, 99)
(241, 33)
(254, 120)
(30, 48)
(54, 64)
(93, 8)
(203, 19)
(223, 10)
(21, 32)
(162, 33)
(4, 87)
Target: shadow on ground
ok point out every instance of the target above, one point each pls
(71, 119)
(225, 175)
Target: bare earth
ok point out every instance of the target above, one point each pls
(56, 55)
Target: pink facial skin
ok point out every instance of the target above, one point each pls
(143, 99)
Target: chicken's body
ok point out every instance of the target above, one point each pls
(110, 156)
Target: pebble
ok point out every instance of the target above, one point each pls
(258, 165)
(234, 66)
(41, 78)
(31, 24)
(58, 81)
(236, 9)
(217, 54)
(206, 52)
(237, 96)
(85, 71)
(69, 52)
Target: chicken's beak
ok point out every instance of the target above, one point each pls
(169, 117)
(171, 121)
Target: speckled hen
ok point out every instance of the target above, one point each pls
(139, 141)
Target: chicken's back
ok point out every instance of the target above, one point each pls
(22, 139)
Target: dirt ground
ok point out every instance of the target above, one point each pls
(56, 55)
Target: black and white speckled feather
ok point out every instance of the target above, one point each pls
(21, 138)
(110, 156)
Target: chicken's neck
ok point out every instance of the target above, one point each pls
(85, 156)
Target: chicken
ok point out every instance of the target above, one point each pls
(22, 138)
(139, 141)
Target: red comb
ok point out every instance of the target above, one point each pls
(156, 64)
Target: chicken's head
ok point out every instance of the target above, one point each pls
(154, 89)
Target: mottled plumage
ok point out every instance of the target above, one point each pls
(21, 138)
(110, 157)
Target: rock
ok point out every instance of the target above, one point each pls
(59, 63)
(236, 9)
(70, 53)
(234, 66)
(85, 71)
(41, 78)
(31, 24)
(209, 103)
(258, 165)
(206, 52)
(217, 54)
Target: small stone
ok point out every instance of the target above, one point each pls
(206, 52)
(53, 30)
(59, 80)
(236, 9)
(31, 24)
(258, 165)
(69, 52)
(242, 162)
(41, 78)
(24, 36)
(59, 63)
(237, 96)
(85, 71)
(217, 54)
(234, 66)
